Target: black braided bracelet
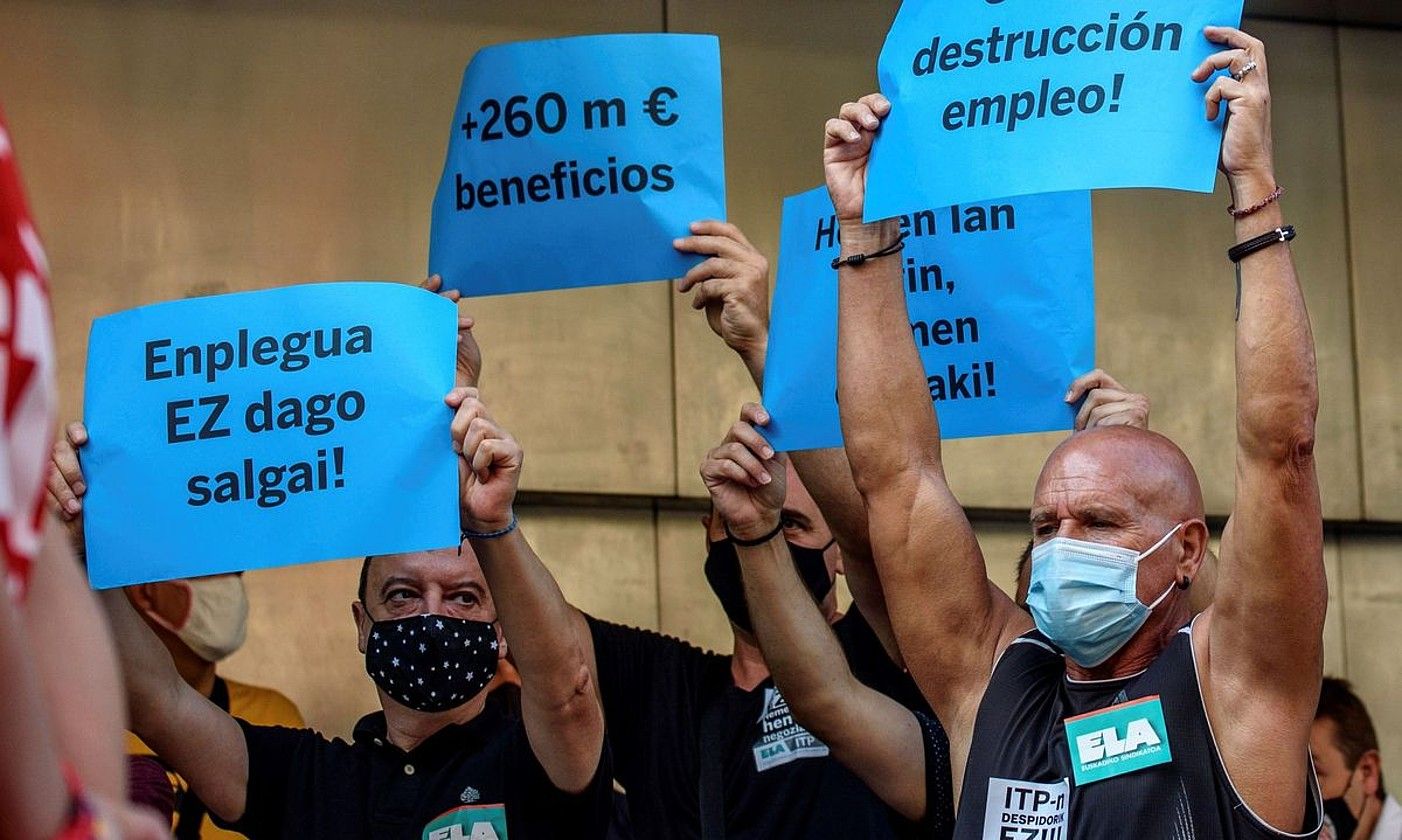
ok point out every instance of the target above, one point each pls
(1237, 253)
(761, 541)
(858, 259)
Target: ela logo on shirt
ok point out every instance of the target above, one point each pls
(478, 822)
(1118, 740)
(781, 738)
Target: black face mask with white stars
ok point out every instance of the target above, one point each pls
(431, 663)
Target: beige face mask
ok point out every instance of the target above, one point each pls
(218, 620)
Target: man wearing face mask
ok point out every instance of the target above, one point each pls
(1111, 712)
(202, 621)
(704, 742)
(1357, 806)
(444, 758)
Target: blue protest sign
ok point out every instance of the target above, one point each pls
(576, 162)
(265, 428)
(1015, 98)
(1002, 309)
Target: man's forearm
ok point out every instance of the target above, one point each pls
(148, 673)
(882, 396)
(799, 647)
(539, 624)
(1277, 389)
(828, 477)
(547, 640)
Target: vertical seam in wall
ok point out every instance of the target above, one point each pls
(657, 562)
(1352, 279)
(666, 23)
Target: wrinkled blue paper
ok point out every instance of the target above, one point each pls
(382, 483)
(634, 117)
(1152, 134)
(1007, 320)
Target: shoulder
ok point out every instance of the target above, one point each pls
(607, 635)
(263, 706)
(284, 744)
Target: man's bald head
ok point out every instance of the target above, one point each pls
(1128, 487)
(1144, 469)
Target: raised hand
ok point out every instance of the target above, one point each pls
(1247, 152)
(469, 362)
(66, 485)
(847, 149)
(1108, 403)
(732, 285)
(746, 477)
(490, 466)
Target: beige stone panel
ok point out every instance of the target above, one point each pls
(787, 67)
(1335, 651)
(302, 641)
(605, 559)
(686, 607)
(1002, 544)
(1372, 613)
(178, 149)
(1372, 109)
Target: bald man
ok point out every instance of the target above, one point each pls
(1118, 714)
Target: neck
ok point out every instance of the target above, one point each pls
(196, 672)
(407, 728)
(1142, 648)
(747, 665)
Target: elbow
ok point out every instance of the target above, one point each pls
(575, 703)
(822, 706)
(1281, 429)
(874, 477)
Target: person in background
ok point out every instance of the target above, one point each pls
(901, 754)
(1357, 805)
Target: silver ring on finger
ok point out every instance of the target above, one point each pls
(1245, 70)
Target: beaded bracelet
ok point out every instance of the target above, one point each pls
(1260, 205)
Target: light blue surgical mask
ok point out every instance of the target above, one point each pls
(1083, 596)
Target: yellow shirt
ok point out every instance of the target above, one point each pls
(255, 704)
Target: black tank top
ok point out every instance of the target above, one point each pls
(1020, 782)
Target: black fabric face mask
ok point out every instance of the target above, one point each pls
(723, 574)
(1338, 812)
(431, 663)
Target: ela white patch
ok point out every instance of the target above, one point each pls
(1026, 810)
(782, 740)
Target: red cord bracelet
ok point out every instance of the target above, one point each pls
(1260, 205)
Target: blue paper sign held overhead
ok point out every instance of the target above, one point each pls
(1002, 309)
(1026, 96)
(265, 428)
(576, 162)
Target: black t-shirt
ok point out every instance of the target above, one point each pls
(778, 780)
(1149, 766)
(478, 776)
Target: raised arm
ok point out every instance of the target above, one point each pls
(951, 622)
(193, 736)
(1265, 630)
(549, 639)
(871, 734)
(732, 287)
